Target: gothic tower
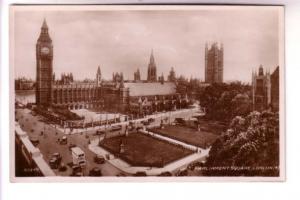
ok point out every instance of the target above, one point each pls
(214, 63)
(172, 75)
(137, 75)
(261, 89)
(98, 77)
(152, 77)
(206, 65)
(44, 68)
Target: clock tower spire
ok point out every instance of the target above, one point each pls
(44, 67)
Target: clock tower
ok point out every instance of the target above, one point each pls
(44, 68)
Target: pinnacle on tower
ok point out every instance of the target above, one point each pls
(152, 77)
(152, 57)
(98, 70)
(122, 81)
(44, 35)
(98, 76)
(45, 26)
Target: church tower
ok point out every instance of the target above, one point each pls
(261, 89)
(152, 77)
(214, 63)
(44, 68)
(172, 75)
(137, 75)
(98, 77)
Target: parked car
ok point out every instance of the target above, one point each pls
(71, 146)
(116, 128)
(121, 174)
(57, 156)
(99, 159)
(34, 140)
(140, 174)
(194, 165)
(62, 167)
(53, 163)
(165, 174)
(76, 170)
(145, 122)
(150, 120)
(183, 172)
(100, 132)
(180, 121)
(95, 172)
(63, 140)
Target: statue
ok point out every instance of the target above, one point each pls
(122, 146)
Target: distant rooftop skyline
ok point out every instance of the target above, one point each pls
(121, 41)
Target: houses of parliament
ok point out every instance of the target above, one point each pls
(153, 94)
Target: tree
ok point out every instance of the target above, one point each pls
(223, 101)
(251, 142)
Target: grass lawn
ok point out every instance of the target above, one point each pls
(188, 135)
(143, 150)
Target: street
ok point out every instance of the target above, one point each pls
(48, 144)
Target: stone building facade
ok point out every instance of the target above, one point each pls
(137, 75)
(44, 69)
(117, 95)
(265, 89)
(275, 96)
(24, 84)
(214, 63)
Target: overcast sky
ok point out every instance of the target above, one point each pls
(121, 41)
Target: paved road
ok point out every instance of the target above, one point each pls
(167, 117)
(34, 125)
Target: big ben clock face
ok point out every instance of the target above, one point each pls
(45, 50)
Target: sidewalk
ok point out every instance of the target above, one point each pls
(173, 141)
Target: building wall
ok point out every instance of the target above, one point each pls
(142, 105)
(275, 89)
(23, 84)
(261, 90)
(111, 96)
(77, 96)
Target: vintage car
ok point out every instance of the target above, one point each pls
(96, 171)
(99, 159)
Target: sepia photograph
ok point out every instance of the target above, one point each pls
(148, 92)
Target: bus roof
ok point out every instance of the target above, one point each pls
(77, 150)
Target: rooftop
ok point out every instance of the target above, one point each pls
(149, 89)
